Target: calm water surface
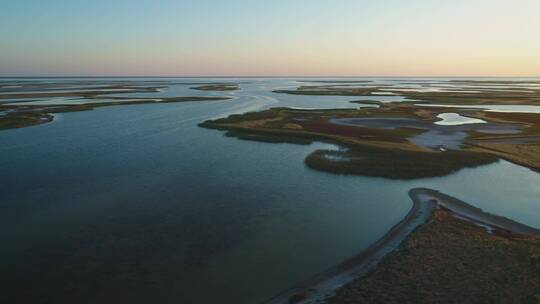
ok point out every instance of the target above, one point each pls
(137, 204)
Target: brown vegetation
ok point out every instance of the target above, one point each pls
(449, 260)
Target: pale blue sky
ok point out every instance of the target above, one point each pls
(241, 37)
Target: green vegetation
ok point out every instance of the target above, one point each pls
(474, 96)
(498, 82)
(94, 93)
(239, 118)
(269, 138)
(301, 126)
(387, 152)
(478, 98)
(328, 91)
(24, 119)
(366, 101)
(395, 164)
(369, 151)
(336, 81)
(19, 101)
(217, 87)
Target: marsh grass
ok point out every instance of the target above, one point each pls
(396, 164)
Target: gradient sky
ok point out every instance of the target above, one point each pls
(270, 37)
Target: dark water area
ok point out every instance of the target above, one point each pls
(138, 204)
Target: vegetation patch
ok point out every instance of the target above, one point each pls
(217, 87)
(449, 260)
(19, 116)
(476, 96)
(368, 151)
(395, 164)
(13, 120)
(93, 93)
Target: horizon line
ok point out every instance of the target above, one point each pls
(257, 76)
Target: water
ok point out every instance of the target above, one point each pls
(137, 204)
(452, 119)
(450, 133)
(492, 108)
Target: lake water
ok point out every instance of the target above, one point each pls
(137, 204)
(452, 119)
(492, 108)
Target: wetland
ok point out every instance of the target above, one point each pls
(144, 199)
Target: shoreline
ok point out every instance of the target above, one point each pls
(21, 116)
(324, 285)
(470, 213)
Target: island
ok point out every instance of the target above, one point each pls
(481, 94)
(34, 103)
(444, 250)
(395, 140)
(218, 87)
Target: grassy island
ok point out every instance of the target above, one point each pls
(26, 103)
(443, 251)
(19, 116)
(450, 260)
(94, 92)
(388, 141)
(482, 93)
(217, 87)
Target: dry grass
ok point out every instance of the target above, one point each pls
(452, 261)
(524, 154)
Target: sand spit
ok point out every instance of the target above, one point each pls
(323, 286)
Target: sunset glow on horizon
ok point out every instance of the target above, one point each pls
(270, 38)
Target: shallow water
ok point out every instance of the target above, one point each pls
(138, 204)
(454, 119)
(64, 101)
(492, 108)
(450, 133)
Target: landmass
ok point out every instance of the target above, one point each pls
(443, 251)
(33, 91)
(217, 87)
(395, 140)
(455, 258)
(28, 103)
(476, 95)
(15, 116)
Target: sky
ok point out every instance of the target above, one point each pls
(270, 38)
